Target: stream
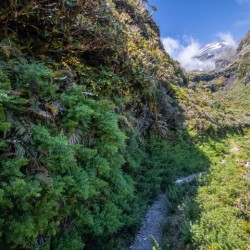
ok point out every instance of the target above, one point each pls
(152, 225)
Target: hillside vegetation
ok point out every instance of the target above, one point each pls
(96, 119)
(85, 98)
(213, 212)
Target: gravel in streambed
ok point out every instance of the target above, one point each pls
(152, 225)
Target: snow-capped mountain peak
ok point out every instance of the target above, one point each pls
(214, 50)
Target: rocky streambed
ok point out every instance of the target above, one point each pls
(152, 225)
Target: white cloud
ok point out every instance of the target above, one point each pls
(186, 50)
(171, 45)
(227, 37)
(185, 54)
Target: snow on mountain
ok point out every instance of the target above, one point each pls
(215, 56)
(214, 50)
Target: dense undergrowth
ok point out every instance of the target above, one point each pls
(94, 117)
(85, 103)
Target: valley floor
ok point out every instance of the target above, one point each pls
(210, 211)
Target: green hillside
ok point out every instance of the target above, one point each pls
(85, 93)
(96, 119)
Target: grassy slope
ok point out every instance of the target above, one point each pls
(214, 212)
(223, 199)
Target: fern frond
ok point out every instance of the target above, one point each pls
(75, 138)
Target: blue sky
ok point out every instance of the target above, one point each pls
(202, 19)
(187, 25)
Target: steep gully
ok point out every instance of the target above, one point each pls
(152, 225)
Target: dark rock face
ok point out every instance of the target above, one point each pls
(245, 42)
(246, 80)
(169, 114)
(221, 64)
(203, 77)
(231, 71)
(146, 119)
(228, 74)
(212, 86)
(206, 77)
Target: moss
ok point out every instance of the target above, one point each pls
(4, 81)
(2, 113)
